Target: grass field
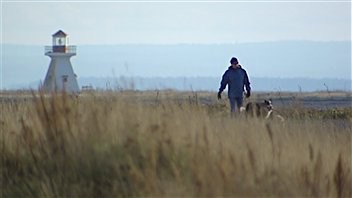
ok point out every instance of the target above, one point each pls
(167, 144)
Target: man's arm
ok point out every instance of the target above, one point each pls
(223, 82)
(247, 84)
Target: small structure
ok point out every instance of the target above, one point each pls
(60, 75)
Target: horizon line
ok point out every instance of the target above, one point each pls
(189, 43)
(176, 1)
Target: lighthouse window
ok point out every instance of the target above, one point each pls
(64, 78)
(60, 42)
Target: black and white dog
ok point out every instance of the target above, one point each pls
(261, 109)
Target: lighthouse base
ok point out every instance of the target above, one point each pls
(60, 75)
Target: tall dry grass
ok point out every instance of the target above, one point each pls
(139, 144)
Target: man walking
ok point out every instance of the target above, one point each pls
(236, 78)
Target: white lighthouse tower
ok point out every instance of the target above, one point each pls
(60, 75)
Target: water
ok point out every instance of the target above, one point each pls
(316, 103)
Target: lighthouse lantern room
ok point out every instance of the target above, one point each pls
(60, 75)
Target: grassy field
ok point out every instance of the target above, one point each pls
(167, 144)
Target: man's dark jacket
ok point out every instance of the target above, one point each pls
(236, 79)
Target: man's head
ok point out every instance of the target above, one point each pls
(234, 61)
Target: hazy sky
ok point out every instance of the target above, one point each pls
(174, 22)
(166, 22)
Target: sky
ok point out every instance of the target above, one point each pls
(166, 22)
(111, 22)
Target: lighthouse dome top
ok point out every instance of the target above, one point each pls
(60, 45)
(60, 38)
(60, 33)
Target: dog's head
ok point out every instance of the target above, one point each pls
(268, 104)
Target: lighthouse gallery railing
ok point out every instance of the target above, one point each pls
(60, 49)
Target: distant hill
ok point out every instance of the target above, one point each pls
(286, 65)
(212, 83)
(258, 84)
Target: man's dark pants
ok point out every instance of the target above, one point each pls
(235, 101)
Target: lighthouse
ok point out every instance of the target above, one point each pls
(60, 75)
